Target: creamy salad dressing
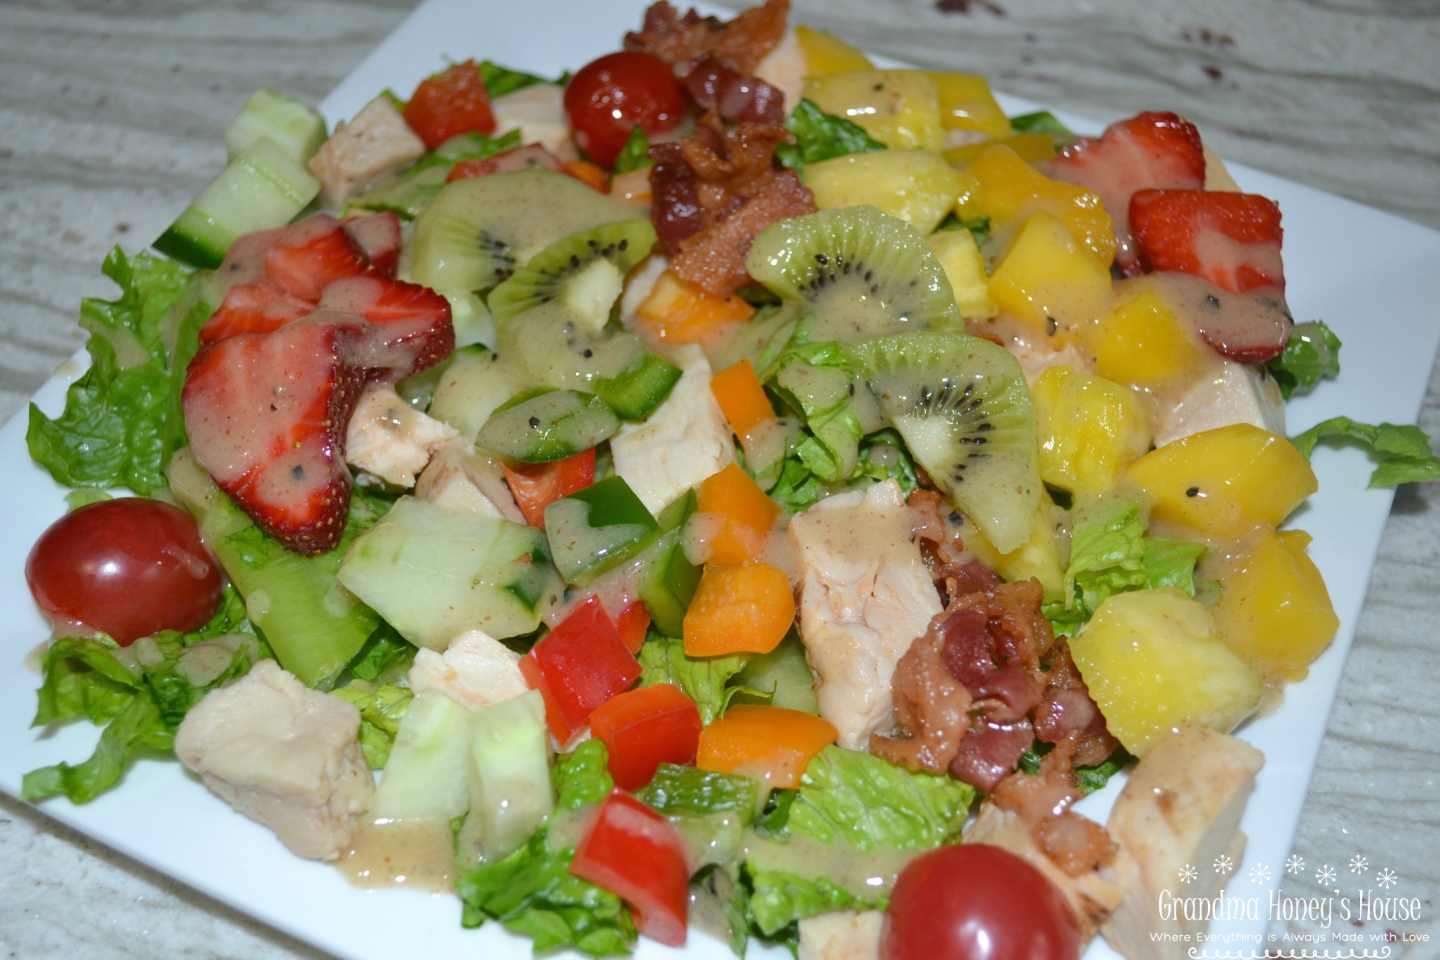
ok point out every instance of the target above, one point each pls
(416, 854)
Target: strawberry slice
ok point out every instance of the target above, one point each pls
(1148, 151)
(255, 307)
(528, 157)
(378, 237)
(266, 414)
(413, 328)
(311, 255)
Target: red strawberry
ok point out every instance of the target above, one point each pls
(254, 307)
(413, 328)
(378, 237)
(312, 254)
(266, 414)
(530, 156)
(1148, 151)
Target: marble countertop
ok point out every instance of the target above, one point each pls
(110, 121)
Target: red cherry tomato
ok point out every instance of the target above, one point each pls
(610, 95)
(129, 567)
(977, 902)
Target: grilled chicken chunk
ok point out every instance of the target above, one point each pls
(844, 935)
(475, 671)
(390, 438)
(1235, 393)
(376, 141)
(463, 478)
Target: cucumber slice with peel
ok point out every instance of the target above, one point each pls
(594, 529)
(295, 127)
(426, 777)
(551, 426)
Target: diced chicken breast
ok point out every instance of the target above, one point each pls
(390, 438)
(865, 597)
(463, 478)
(1235, 393)
(684, 441)
(284, 755)
(844, 935)
(784, 68)
(377, 141)
(1181, 806)
(538, 111)
(475, 671)
(1035, 360)
(1093, 895)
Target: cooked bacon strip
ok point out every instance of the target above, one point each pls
(1067, 711)
(932, 706)
(715, 258)
(742, 42)
(734, 96)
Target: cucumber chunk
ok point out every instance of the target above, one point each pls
(473, 387)
(552, 426)
(667, 579)
(261, 189)
(295, 127)
(510, 790)
(785, 674)
(593, 529)
(427, 775)
(434, 573)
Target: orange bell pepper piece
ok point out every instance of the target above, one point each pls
(772, 744)
(741, 397)
(745, 609)
(680, 312)
(592, 175)
(749, 514)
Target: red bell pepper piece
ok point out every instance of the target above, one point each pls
(449, 104)
(633, 621)
(639, 856)
(645, 728)
(578, 666)
(537, 485)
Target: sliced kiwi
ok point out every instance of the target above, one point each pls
(549, 426)
(584, 272)
(862, 273)
(963, 408)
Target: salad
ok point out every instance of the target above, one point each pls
(785, 467)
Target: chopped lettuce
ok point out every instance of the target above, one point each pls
(979, 227)
(582, 777)
(140, 693)
(634, 155)
(500, 80)
(703, 679)
(883, 456)
(817, 381)
(381, 710)
(1402, 452)
(1311, 354)
(1041, 121)
(1095, 778)
(1171, 563)
(822, 136)
(779, 899)
(717, 883)
(466, 146)
(797, 489)
(688, 791)
(122, 418)
(386, 652)
(864, 801)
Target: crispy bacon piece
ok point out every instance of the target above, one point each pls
(1041, 801)
(932, 706)
(741, 43)
(734, 96)
(714, 259)
(1066, 711)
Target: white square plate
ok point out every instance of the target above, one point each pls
(1368, 274)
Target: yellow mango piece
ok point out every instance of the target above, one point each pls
(1050, 280)
(900, 108)
(1274, 609)
(1089, 429)
(1224, 482)
(1143, 343)
(1037, 557)
(1030, 147)
(914, 185)
(825, 53)
(1008, 191)
(965, 269)
(1153, 660)
(966, 103)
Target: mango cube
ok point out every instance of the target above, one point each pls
(900, 108)
(1143, 343)
(1089, 429)
(1274, 609)
(1153, 661)
(965, 269)
(1224, 482)
(1008, 190)
(1030, 147)
(966, 103)
(828, 54)
(1050, 280)
(915, 185)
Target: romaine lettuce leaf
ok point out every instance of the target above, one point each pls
(385, 652)
(779, 899)
(1171, 563)
(122, 418)
(1107, 551)
(500, 80)
(634, 155)
(1311, 354)
(381, 710)
(688, 791)
(821, 136)
(582, 777)
(1402, 452)
(703, 679)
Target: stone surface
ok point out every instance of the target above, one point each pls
(110, 120)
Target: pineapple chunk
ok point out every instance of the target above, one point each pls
(900, 108)
(1274, 609)
(1050, 280)
(1225, 482)
(1030, 147)
(1037, 557)
(1008, 190)
(828, 54)
(965, 269)
(915, 185)
(1142, 343)
(966, 103)
(1089, 429)
(1153, 661)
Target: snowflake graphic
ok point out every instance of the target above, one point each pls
(1325, 874)
(1294, 865)
(1259, 873)
(1359, 864)
(1224, 865)
(1187, 873)
(1387, 878)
